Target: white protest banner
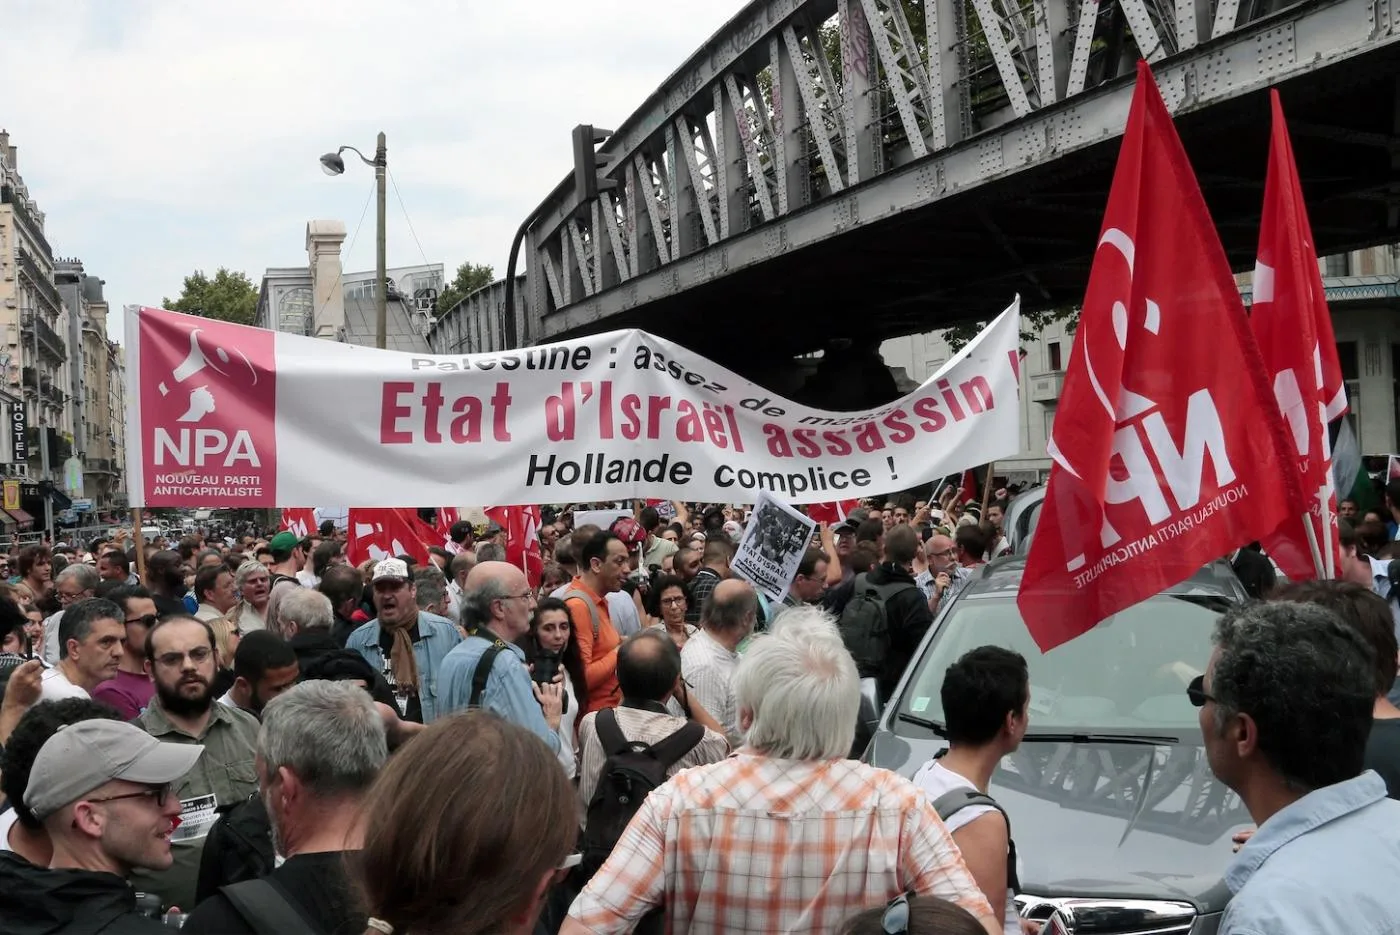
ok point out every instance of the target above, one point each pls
(226, 415)
(773, 545)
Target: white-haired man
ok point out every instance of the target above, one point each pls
(862, 835)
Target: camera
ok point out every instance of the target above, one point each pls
(546, 668)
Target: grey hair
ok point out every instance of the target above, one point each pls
(490, 552)
(85, 575)
(800, 687)
(245, 570)
(1306, 679)
(476, 602)
(430, 590)
(308, 609)
(327, 733)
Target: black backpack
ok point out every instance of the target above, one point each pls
(865, 625)
(630, 772)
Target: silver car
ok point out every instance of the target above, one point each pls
(1119, 824)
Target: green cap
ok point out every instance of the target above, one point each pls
(284, 542)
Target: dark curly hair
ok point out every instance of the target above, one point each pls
(33, 730)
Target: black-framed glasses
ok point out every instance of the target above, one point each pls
(895, 921)
(149, 620)
(158, 793)
(1196, 691)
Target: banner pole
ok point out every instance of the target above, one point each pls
(987, 491)
(1311, 533)
(140, 545)
(1328, 557)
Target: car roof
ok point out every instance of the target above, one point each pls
(1003, 576)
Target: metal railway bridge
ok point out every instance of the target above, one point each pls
(853, 170)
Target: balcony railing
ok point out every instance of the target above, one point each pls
(48, 338)
(41, 283)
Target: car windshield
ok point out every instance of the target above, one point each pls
(1128, 674)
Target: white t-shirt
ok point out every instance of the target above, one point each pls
(936, 780)
(7, 821)
(54, 686)
(567, 757)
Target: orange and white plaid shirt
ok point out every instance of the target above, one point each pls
(764, 845)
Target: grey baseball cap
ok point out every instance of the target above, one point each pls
(82, 757)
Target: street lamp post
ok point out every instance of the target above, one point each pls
(333, 164)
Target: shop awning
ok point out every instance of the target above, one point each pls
(21, 517)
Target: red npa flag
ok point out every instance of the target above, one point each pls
(1294, 330)
(376, 533)
(1167, 442)
(522, 526)
(300, 520)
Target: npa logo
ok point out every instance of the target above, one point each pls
(208, 410)
(1161, 445)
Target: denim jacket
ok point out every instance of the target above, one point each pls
(507, 692)
(1327, 863)
(436, 637)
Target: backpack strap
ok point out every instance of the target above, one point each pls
(264, 906)
(574, 594)
(950, 803)
(668, 751)
(610, 733)
(483, 672)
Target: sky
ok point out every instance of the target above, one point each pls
(161, 137)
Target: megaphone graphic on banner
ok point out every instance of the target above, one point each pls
(202, 401)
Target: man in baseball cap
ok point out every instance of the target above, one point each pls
(107, 793)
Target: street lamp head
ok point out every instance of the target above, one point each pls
(332, 164)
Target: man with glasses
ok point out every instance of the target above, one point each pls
(944, 576)
(1286, 703)
(74, 583)
(130, 690)
(180, 655)
(487, 670)
(103, 792)
(407, 644)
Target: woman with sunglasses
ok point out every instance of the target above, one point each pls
(438, 860)
(914, 915)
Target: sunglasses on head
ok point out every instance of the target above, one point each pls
(895, 921)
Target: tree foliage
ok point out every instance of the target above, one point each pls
(470, 277)
(1032, 323)
(229, 296)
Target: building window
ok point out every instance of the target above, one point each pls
(1338, 264)
(1056, 364)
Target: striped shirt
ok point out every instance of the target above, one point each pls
(764, 845)
(638, 726)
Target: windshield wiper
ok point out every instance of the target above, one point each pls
(924, 722)
(1092, 737)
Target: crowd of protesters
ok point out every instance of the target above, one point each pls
(252, 735)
